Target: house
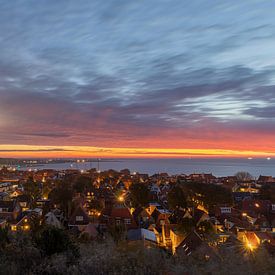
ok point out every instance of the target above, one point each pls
(164, 190)
(265, 180)
(161, 216)
(154, 189)
(262, 223)
(24, 201)
(43, 202)
(141, 217)
(5, 186)
(190, 243)
(256, 207)
(59, 215)
(252, 240)
(16, 193)
(240, 196)
(22, 223)
(52, 220)
(117, 214)
(165, 239)
(152, 206)
(199, 216)
(178, 215)
(79, 219)
(9, 210)
(176, 237)
(147, 237)
(121, 215)
(24, 220)
(5, 196)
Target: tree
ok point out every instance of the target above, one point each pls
(243, 176)
(63, 196)
(47, 187)
(267, 192)
(53, 240)
(139, 194)
(117, 232)
(4, 237)
(208, 195)
(177, 197)
(32, 189)
(82, 183)
(36, 225)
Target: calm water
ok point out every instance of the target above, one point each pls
(219, 167)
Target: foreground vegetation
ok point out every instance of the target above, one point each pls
(42, 253)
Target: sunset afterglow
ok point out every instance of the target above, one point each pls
(90, 152)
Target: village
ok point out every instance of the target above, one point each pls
(180, 214)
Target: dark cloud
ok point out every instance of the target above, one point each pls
(100, 73)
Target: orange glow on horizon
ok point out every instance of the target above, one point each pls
(29, 151)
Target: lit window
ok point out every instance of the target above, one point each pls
(26, 227)
(13, 228)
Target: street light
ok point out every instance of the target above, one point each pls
(120, 198)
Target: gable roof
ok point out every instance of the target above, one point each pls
(120, 212)
(51, 219)
(198, 214)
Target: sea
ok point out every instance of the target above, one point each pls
(217, 166)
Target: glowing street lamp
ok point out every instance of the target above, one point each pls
(120, 198)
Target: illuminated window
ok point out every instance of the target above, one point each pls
(26, 227)
(13, 228)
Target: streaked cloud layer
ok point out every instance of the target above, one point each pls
(138, 74)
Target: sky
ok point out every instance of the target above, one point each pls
(137, 78)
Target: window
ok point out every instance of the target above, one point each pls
(225, 209)
(79, 218)
(13, 228)
(117, 221)
(127, 221)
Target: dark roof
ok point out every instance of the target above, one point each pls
(198, 215)
(23, 198)
(79, 211)
(137, 212)
(8, 204)
(122, 212)
(190, 243)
